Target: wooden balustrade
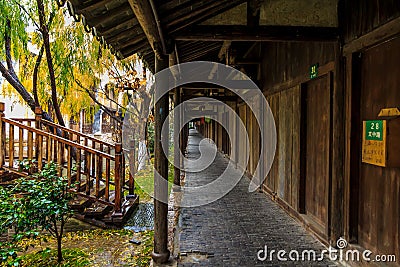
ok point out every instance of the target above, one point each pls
(94, 165)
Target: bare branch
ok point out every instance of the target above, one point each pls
(93, 97)
(26, 12)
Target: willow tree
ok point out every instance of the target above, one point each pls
(52, 52)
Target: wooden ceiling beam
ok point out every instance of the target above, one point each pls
(112, 15)
(211, 10)
(198, 56)
(125, 35)
(262, 33)
(123, 25)
(132, 46)
(129, 30)
(79, 8)
(193, 9)
(232, 98)
(144, 14)
(200, 53)
(199, 48)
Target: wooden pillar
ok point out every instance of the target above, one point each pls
(182, 132)
(236, 143)
(177, 173)
(118, 182)
(2, 135)
(132, 169)
(160, 253)
(181, 136)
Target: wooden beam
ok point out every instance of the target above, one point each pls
(380, 34)
(195, 17)
(123, 25)
(125, 35)
(144, 14)
(198, 51)
(261, 33)
(243, 61)
(224, 49)
(134, 44)
(80, 9)
(112, 15)
(226, 98)
(253, 13)
(188, 12)
(198, 54)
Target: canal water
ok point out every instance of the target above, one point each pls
(142, 218)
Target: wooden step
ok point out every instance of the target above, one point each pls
(79, 203)
(7, 177)
(128, 207)
(82, 186)
(97, 210)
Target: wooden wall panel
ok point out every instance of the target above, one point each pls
(284, 145)
(272, 177)
(295, 147)
(363, 16)
(379, 188)
(286, 65)
(242, 160)
(284, 175)
(255, 145)
(249, 129)
(317, 138)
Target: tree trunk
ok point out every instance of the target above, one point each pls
(46, 42)
(59, 249)
(35, 76)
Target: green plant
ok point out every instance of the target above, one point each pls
(27, 165)
(37, 202)
(150, 137)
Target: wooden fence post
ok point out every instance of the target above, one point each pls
(39, 138)
(2, 135)
(132, 168)
(117, 180)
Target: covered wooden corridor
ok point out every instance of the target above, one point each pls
(327, 69)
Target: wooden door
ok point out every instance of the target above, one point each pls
(316, 138)
(379, 193)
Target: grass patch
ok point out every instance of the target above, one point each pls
(144, 183)
(90, 248)
(48, 258)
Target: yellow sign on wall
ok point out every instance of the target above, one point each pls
(374, 142)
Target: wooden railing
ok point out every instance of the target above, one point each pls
(95, 166)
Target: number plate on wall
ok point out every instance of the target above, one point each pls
(374, 142)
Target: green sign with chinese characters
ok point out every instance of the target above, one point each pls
(374, 130)
(314, 71)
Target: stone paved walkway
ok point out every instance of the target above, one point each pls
(230, 231)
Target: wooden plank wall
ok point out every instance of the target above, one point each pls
(285, 67)
(380, 187)
(284, 175)
(363, 16)
(371, 193)
(242, 152)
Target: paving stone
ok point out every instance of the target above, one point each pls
(234, 228)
